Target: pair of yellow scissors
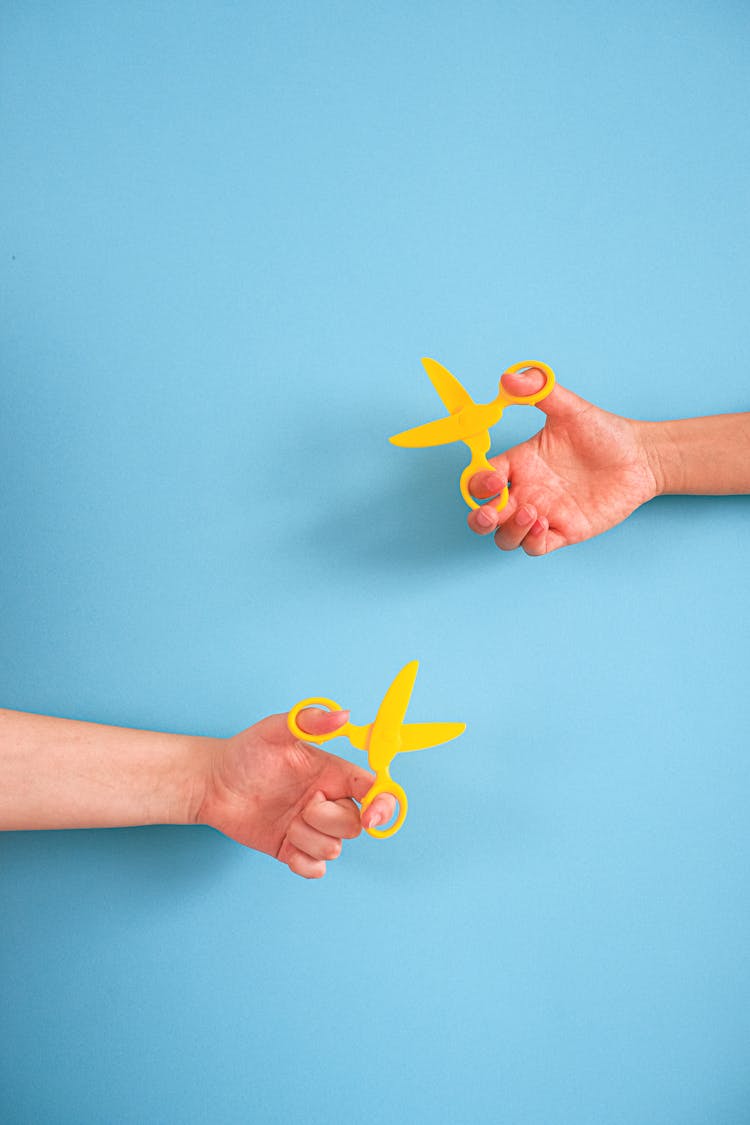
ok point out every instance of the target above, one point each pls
(470, 421)
(383, 739)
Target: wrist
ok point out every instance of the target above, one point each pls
(665, 451)
(646, 465)
(185, 792)
(662, 456)
(699, 456)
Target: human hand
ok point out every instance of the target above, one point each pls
(585, 471)
(270, 791)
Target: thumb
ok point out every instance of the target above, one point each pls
(315, 721)
(559, 403)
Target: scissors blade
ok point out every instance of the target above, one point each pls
(421, 736)
(392, 710)
(452, 393)
(441, 432)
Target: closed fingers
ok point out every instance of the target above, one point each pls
(317, 845)
(542, 539)
(535, 543)
(335, 818)
(302, 864)
(515, 528)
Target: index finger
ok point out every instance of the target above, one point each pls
(384, 805)
(342, 817)
(485, 484)
(380, 811)
(338, 818)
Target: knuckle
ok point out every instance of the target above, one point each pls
(308, 816)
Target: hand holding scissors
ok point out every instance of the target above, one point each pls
(383, 739)
(470, 421)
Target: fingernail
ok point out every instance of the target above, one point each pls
(485, 518)
(375, 820)
(538, 528)
(524, 517)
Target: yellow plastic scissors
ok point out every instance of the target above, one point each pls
(470, 421)
(383, 739)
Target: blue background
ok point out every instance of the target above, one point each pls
(229, 231)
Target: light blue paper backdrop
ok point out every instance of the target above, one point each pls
(229, 232)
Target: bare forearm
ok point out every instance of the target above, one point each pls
(708, 456)
(59, 773)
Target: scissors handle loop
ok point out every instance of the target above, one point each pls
(385, 784)
(508, 399)
(316, 701)
(479, 446)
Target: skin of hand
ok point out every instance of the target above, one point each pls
(272, 792)
(584, 472)
(263, 787)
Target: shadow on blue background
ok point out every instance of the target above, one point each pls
(229, 233)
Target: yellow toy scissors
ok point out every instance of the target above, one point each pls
(383, 739)
(470, 421)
